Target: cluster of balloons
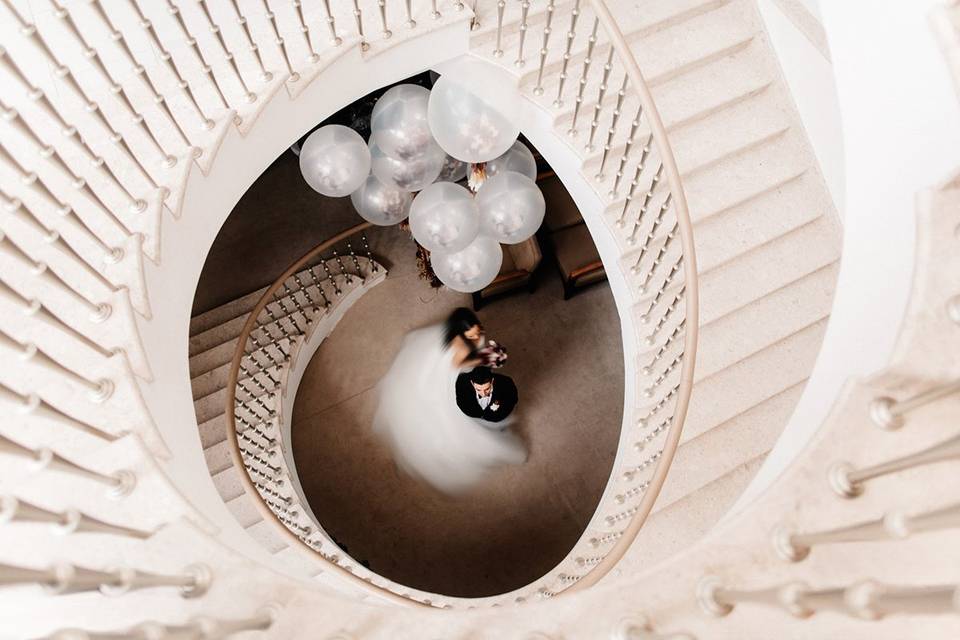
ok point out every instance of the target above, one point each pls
(421, 143)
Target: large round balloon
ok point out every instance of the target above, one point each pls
(411, 174)
(443, 217)
(466, 124)
(453, 170)
(400, 121)
(517, 158)
(511, 207)
(471, 268)
(380, 204)
(334, 160)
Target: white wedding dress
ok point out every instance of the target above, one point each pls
(419, 418)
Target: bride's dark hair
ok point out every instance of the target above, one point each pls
(459, 322)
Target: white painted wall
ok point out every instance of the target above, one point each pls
(901, 134)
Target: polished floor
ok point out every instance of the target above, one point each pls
(566, 358)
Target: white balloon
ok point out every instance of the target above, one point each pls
(468, 126)
(453, 170)
(334, 160)
(444, 217)
(517, 158)
(380, 204)
(471, 268)
(511, 207)
(400, 121)
(411, 174)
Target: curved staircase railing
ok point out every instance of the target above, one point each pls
(83, 451)
(276, 330)
(637, 175)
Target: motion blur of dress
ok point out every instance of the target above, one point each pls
(419, 418)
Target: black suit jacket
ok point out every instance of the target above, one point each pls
(504, 394)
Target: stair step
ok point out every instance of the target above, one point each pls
(672, 528)
(751, 381)
(742, 228)
(686, 97)
(244, 510)
(225, 312)
(765, 321)
(298, 561)
(266, 534)
(719, 450)
(746, 226)
(213, 430)
(212, 358)
(218, 456)
(217, 335)
(210, 381)
(228, 483)
(210, 405)
(767, 268)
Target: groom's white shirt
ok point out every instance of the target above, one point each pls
(484, 401)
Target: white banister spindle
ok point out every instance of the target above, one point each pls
(284, 49)
(265, 75)
(14, 510)
(544, 47)
(571, 34)
(66, 578)
(358, 18)
(847, 481)
(524, 11)
(584, 73)
(207, 628)
(120, 483)
(895, 525)
(228, 53)
(866, 599)
(889, 413)
(385, 30)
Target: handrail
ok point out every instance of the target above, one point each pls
(233, 442)
(689, 295)
(691, 299)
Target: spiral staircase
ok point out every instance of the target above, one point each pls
(130, 129)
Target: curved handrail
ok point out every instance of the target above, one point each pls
(671, 443)
(233, 442)
(691, 299)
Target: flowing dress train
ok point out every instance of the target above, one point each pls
(419, 419)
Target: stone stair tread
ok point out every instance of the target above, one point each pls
(747, 226)
(210, 381)
(218, 456)
(767, 268)
(228, 483)
(213, 430)
(217, 335)
(212, 358)
(266, 534)
(753, 380)
(225, 312)
(765, 321)
(245, 510)
(299, 561)
(672, 528)
(689, 95)
(725, 447)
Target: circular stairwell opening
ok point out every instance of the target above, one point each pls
(566, 358)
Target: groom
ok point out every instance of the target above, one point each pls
(486, 395)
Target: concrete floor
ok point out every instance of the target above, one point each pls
(566, 358)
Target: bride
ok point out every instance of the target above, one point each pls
(418, 415)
